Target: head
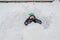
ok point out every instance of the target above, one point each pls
(32, 16)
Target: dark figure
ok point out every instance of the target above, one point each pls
(31, 19)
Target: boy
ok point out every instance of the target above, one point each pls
(31, 19)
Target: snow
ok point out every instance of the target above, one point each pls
(13, 15)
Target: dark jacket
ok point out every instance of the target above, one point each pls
(35, 20)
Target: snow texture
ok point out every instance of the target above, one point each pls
(13, 15)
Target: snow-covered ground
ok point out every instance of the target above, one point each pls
(13, 15)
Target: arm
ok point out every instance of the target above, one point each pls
(27, 22)
(38, 21)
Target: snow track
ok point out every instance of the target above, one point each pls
(13, 15)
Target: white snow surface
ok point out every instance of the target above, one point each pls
(13, 15)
